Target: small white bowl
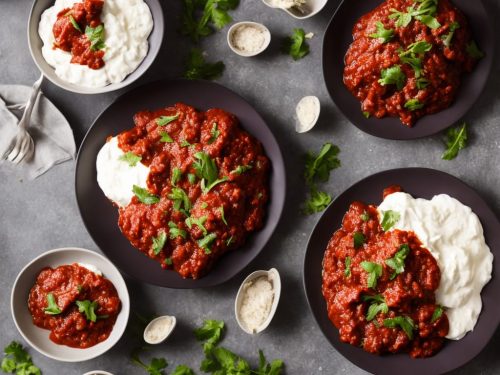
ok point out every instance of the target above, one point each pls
(37, 337)
(299, 126)
(311, 8)
(165, 335)
(236, 26)
(274, 277)
(98, 372)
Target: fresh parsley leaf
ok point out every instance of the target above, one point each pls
(347, 263)
(377, 305)
(429, 21)
(205, 167)
(229, 241)
(185, 143)
(191, 178)
(156, 366)
(198, 68)
(175, 232)
(405, 322)
(382, 33)
(402, 19)
(199, 222)
(240, 169)
(206, 188)
(144, 195)
(413, 56)
(318, 201)
(74, 23)
(448, 37)
(422, 83)
(176, 176)
(392, 76)
(168, 261)
(296, 45)
(165, 137)
(389, 219)
(214, 133)
(265, 368)
(414, 104)
(438, 312)
(359, 239)
(180, 199)
(182, 370)
(130, 158)
(211, 333)
(473, 50)
(397, 263)
(165, 120)
(374, 271)
(204, 205)
(318, 167)
(18, 361)
(366, 114)
(223, 217)
(96, 37)
(456, 140)
(88, 308)
(159, 242)
(424, 13)
(52, 307)
(206, 242)
(365, 216)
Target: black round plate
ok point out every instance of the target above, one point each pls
(101, 218)
(422, 183)
(338, 37)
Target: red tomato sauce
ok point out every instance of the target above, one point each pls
(410, 293)
(68, 284)
(442, 66)
(230, 211)
(70, 39)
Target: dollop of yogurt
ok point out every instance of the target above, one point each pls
(454, 236)
(127, 25)
(116, 177)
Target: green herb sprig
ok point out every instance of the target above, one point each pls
(18, 361)
(296, 45)
(456, 140)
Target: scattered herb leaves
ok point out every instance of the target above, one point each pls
(214, 133)
(199, 222)
(473, 50)
(180, 199)
(374, 271)
(365, 216)
(347, 271)
(358, 239)
(448, 37)
(414, 104)
(438, 312)
(198, 68)
(456, 140)
(389, 219)
(240, 169)
(165, 137)
(74, 23)
(52, 307)
(96, 37)
(176, 176)
(18, 361)
(377, 305)
(296, 45)
(158, 242)
(88, 308)
(130, 158)
(165, 120)
(392, 76)
(404, 322)
(206, 242)
(223, 217)
(397, 262)
(382, 33)
(144, 195)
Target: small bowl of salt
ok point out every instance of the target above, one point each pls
(248, 38)
(257, 300)
(159, 329)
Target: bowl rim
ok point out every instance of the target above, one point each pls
(158, 21)
(125, 302)
(291, 14)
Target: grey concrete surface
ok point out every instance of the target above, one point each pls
(39, 215)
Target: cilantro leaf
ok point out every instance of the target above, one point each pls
(159, 242)
(473, 50)
(18, 361)
(366, 114)
(413, 55)
(429, 21)
(392, 76)
(448, 37)
(382, 33)
(182, 370)
(165, 120)
(223, 217)
(319, 166)
(365, 216)
(175, 232)
(211, 333)
(198, 68)
(422, 83)
(347, 271)
(205, 167)
(389, 219)
(206, 242)
(52, 307)
(214, 133)
(156, 366)
(96, 37)
(359, 239)
(318, 201)
(88, 308)
(74, 23)
(377, 305)
(199, 222)
(176, 176)
(296, 45)
(165, 137)
(180, 199)
(374, 271)
(424, 13)
(438, 312)
(405, 322)
(144, 195)
(206, 188)
(191, 178)
(397, 263)
(402, 19)
(414, 104)
(240, 169)
(456, 140)
(130, 158)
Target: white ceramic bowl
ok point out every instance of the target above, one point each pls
(312, 8)
(97, 372)
(37, 337)
(233, 29)
(173, 323)
(274, 277)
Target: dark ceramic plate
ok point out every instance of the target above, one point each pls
(338, 37)
(101, 218)
(422, 183)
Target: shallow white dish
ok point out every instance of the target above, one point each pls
(274, 277)
(300, 127)
(97, 372)
(233, 28)
(167, 333)
(37, 337)
(311, 8)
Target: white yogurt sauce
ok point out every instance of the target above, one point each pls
(454, 236)
(257, 303)
(286, 4)
(116, 177)
(127, 25)
(91, 268)
(307, 112)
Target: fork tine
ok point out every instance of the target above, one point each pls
(18, 149)
(28, 151)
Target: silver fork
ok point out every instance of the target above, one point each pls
(23, 146)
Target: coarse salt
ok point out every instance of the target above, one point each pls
(307, 111)
(248, 38)
(257, 302)
(158, 329)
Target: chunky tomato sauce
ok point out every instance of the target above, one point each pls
(71, 37)
(68, 284)
(408, 295)
(441, 67)
(226, 214)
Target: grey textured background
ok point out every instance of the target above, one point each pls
(39, 215)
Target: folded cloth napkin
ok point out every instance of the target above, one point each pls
(53, 137)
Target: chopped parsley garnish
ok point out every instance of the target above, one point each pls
(174, 231)
(74, 23)
(165, 137)
(473, 50)
(365, 216)
(414, 104)
(159, 242)
(18, 361)
(52, 307)
(317, 202)
(144, 195)
(206, 188)
(438, 312)
(181, 200)
(240, 169)
(456, 140)
(210, 332)
(199, 222)
(185, 143)
(392, 76)
(223, 217)
(422, 83)
(168, 261)
(130, 158)
(413, 56)
(389, 219)
(347, 271)
(374, 271)
(198, 68)
(214, 133)
(206, 242)
(366, 114)
(191, 178)
(206, 169)
(88, 308)
(382, 33)
(405, 322)
(359, 239)
(448, 37)
(165, 120)
(204, 205)
(377, 305)
(96, 37)
(229, 241)
(296, 45)
(156, 366)
(176, 176)
(397, 263)
(424, 13)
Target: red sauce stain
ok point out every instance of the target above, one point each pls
(68, 284)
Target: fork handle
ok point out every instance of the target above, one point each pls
(23, 123)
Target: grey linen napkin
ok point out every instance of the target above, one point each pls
(53, 137)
